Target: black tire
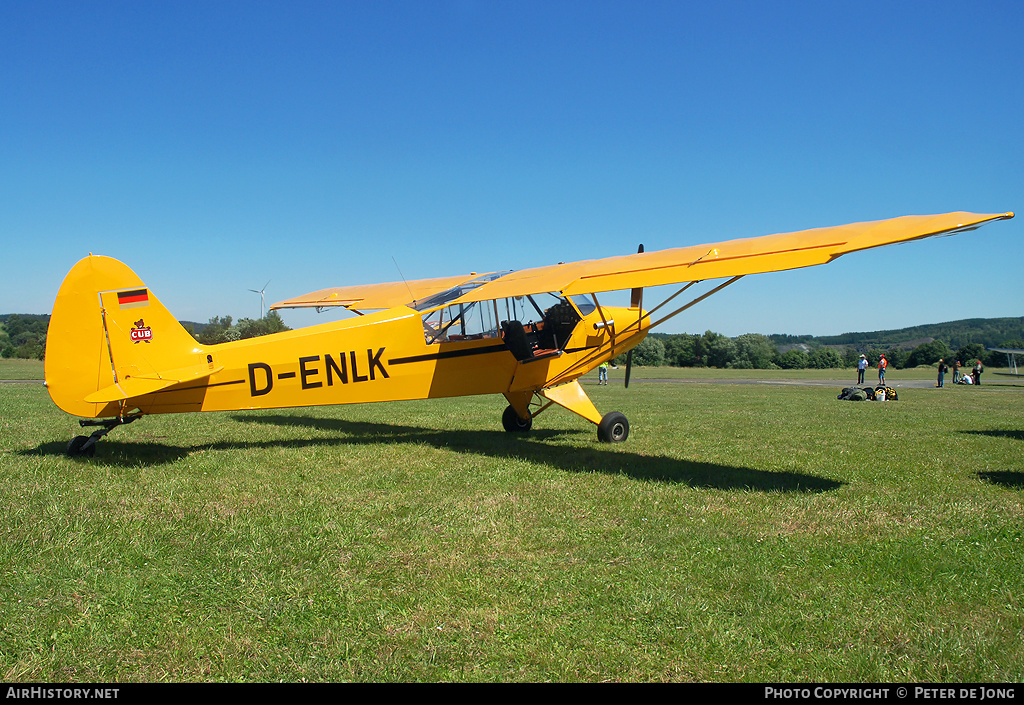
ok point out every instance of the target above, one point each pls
(614, 428)
(512, 423)
(76, 447)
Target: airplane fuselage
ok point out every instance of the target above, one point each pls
(383, 356)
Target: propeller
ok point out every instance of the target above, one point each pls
(636, 301)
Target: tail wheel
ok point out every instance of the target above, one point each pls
(614, 428)
(512, 423)
(77, 447)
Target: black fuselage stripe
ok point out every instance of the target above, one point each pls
(466, 352)
(170, 390)
(447, 354)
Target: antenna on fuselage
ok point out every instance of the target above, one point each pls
(411, 297)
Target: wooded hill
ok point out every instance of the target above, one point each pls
(989, 332)
(907, 347)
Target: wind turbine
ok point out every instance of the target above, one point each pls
(260, 292)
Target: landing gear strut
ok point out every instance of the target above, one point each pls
(86, 445)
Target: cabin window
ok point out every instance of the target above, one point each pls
(470, 321)
(530, 325)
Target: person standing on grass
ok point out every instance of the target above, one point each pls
(862, 365)
(602, 373)
(882, 364)
(942, 372)
(956, 372)
(976, 373)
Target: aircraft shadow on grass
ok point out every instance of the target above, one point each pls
(1007, 478)
(1000, 433)
(531, 447)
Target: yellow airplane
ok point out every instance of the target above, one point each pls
(114, 353)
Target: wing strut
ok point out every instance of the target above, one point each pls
(694, 302)
(681, 308)
(628, 330)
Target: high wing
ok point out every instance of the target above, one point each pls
(770, 253)
(733, 258)
(374, 297)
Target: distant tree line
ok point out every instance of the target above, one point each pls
(223, 329)
(755, 351)
(24, 335)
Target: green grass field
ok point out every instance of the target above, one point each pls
(21, 369)
(742, 533)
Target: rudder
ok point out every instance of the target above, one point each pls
(111, 339)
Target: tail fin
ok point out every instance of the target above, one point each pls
(110, 340)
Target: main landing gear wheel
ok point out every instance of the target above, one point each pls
(512, 423)
(614, 428)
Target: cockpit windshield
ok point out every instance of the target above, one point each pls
(584, 303)
(455, 292)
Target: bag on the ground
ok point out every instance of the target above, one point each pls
(852, 394)
(890, 393)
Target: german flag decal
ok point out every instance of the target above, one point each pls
(133, 299)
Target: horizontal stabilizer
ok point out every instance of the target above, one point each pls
(130, 387)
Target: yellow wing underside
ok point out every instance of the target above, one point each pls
(770, 253)
(373, 297)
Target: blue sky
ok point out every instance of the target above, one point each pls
(212, 146)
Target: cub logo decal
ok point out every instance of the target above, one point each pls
(141, 333)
